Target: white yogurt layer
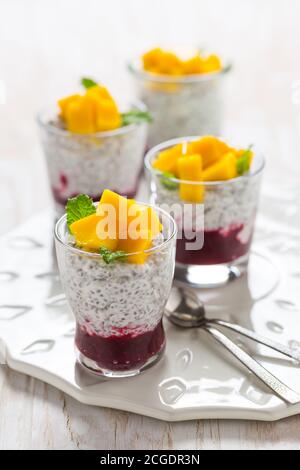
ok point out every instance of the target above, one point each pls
(119, 295)
(181, 109)
(91, 163)
(224, 205)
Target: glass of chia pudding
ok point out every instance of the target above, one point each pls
(185, 97)
(117, 285)
(90, 145)
(212, 190)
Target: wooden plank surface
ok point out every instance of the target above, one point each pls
(44, 48)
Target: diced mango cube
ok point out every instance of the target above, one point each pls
(152, 59)
(193, 65)
(190, 169)
(91, 234)
(137, 246)
(80, 115)
(211, 64)
(224, 169)
(211, 148)
(64, 103)
(166, 160)
(112, 202)
(164, 62)
(99, 92)
(107, 116)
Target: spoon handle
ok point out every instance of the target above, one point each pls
(258, 338)
(257, 369)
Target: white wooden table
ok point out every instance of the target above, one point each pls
(44, 48)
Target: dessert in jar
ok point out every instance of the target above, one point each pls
(184, 95)
(116, 261)
(212, 188)
(90, 145)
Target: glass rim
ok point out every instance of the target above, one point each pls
(115, 132)
(93, 255)
(135, 68)
(170, 143)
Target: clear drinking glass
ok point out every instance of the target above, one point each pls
(90, 163)
(118, 307)
(181, 105)
(214, 236)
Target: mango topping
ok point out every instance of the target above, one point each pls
(120, 225)
(190, 169)
(91, 236)
(224, 169)
(95, 111)
(205, 159)
(163, 62)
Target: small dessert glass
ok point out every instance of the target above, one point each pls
(180, 105)
(118, 307)
(214, 236)
(90, 163)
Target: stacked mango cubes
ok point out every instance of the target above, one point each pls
(163, 62)
(95, 111)
(118, 224)
(206, 159)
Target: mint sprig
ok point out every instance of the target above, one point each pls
(79, 207)
(243, 162)
(135, 116)
(167, 183)
(88, 82)
(109, 256)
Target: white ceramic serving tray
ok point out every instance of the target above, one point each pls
(196, 379)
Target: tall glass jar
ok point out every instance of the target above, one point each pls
(90, 163)
(214, 235)
(118, 307)
(180, 105)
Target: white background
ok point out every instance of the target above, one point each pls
(45, 47)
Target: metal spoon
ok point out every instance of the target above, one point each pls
(186, 311)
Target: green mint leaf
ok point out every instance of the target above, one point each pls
(243, 162)
(79, 207)
(135, 116)
(110, 256)
(167, 183)
(88, 82)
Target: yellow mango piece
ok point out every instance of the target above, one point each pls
(64, 103)
(80, 115)
(136, 224)
(90, 235)
(167, 159)
(119, 205)
(99, 92)
(211, 64)
(107, 116)
(193, 65)
(190, 169)
(143, 219)
(170, 64)
(162, 62)
(152, 59)
(137, 246)
(210, 148)
(224, 169)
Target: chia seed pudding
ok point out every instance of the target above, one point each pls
(118, 307)
(224, 220)
(188, 105)
(89, 163)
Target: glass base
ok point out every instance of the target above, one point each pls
(94, 367)
(210, 276)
